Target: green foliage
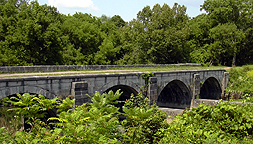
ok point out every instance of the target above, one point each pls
(250, 74)
(8, 119)
(95, 122)
(65, 105)
(137, 101)
(246, 98)
(240, 80)
(220, 37)
(159, 34)
(146, 77)
(223, 123)
(30, 33)
(82, 38)
(227, 42)
(33, 34)
(143, 124)
(118, 21)
(32, 107)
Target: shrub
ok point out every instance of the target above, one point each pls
(95, 122)
(241, 80)
(225, 122)
(143, 124)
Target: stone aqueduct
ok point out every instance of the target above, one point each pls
(172, 89)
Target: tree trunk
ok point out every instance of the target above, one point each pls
(234, 59)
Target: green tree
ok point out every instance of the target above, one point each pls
(143, 123)
(110, 50)
(161, 34)
(237, 16)
(227, 40)
(223, 11)
(8, 13)
(118, 21)
(104, 18)
(31, 34)
(198, 39)
(129, 46)
(82, 38)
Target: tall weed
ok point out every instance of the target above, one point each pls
(241, 79)
(223, 123)
(95, 122)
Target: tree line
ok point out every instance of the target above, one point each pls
(34, 34)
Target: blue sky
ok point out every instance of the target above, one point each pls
(127, 9)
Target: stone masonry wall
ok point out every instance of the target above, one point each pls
(44, 68)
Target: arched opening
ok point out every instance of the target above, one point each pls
(8, 91)
(210, 89)
(175, 95)
(127, 91)
(26, 98)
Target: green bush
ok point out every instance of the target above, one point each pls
(223, 123)
(98, 122)
(95, 122)
(9, 119)
(241, 80)
(143, 124)
(34, 108)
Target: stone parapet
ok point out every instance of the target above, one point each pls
(45, 68)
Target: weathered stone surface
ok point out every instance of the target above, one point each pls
(163, 82)
(79, 92)
(212, 102)
(172, 112)
(152, 90)
(205, 101)
(45, 68)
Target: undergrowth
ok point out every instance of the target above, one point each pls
(241, 82)
(223, 123)
(95, 122)
(98, 122)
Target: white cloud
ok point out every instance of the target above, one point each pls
(88, 4)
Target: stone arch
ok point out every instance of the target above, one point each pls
(8, 91)
(126, 83)
(127, 91)
(213, 75)
(210, 89)
(175, 95)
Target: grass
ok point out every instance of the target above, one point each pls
(112, 70)
(165, 68)
(10, 120)
(241, 83)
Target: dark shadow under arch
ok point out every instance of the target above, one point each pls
(175, 95)
(127, 91)
(210, 89)
(48, 113)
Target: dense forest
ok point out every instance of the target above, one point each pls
(34, 34)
